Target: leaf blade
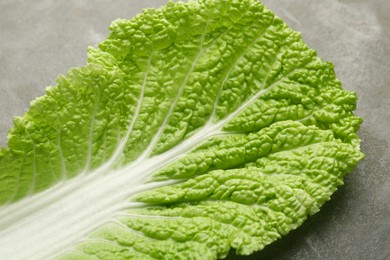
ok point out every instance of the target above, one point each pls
(187, 94)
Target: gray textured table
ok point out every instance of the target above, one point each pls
(43, 38)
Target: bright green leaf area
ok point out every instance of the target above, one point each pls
(235, 126)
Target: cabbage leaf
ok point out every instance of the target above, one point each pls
(193, 129)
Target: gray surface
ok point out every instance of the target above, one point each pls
(43, 38)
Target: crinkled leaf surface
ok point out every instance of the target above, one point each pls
(193, 129)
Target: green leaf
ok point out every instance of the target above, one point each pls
(194, 129)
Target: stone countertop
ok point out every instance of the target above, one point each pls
(44, 38)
